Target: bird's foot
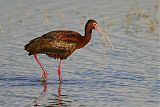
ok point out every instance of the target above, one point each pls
(60, 80)
(44, 77)
(60, 77)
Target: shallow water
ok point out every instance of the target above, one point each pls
(94, 76)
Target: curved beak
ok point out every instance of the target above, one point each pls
(105, 37)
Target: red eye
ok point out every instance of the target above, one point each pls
(94, 24)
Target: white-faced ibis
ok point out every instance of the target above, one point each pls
(60, 44)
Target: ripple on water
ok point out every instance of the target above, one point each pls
(94, 76)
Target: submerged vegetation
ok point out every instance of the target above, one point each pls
(139, 19)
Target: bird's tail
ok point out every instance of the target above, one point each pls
(33, 46)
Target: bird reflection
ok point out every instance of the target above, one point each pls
(37, 99)
(59, 94)
(59, 100)
(53, 102)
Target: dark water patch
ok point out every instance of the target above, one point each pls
(19, 96)
(128, 76)
(18, 78)
(59, 101)
(84, 82)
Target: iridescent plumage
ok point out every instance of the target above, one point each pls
(59, 44)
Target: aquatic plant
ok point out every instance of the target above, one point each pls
(139, 19)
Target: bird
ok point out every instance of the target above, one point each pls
(60, 44)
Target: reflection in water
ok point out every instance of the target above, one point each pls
(52, 102)
(60, 101)
(59, 94)
(37, 99)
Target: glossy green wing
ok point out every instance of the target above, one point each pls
(60, 49)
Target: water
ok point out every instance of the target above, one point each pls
(94, 76)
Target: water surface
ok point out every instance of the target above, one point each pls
(94, 76)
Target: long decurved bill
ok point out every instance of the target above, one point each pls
(105, 37)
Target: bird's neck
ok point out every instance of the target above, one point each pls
(86, 38)
(87, 35)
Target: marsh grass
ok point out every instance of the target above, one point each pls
(46, 18)
(139, 19)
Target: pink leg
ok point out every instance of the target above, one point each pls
(59, 71)
(59, 95)
(45, 74)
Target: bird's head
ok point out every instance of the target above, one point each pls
(93, 25)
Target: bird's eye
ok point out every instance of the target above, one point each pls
(94, 24)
